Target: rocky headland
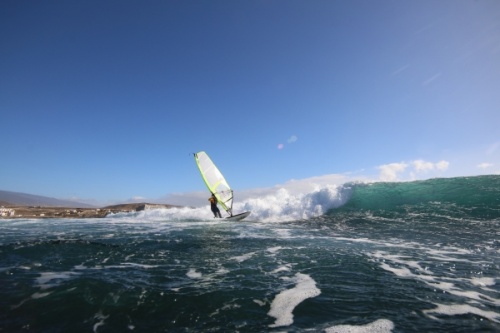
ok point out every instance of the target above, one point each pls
(8, 211)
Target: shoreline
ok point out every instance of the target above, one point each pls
(43, 212)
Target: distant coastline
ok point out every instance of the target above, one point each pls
(8, 211)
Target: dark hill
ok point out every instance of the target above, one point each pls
(24, 199)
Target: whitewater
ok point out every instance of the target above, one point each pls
(418, 256)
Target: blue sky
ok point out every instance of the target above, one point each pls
(104, 101)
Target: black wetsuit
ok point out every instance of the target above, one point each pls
(213, 206)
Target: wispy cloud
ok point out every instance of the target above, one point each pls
(493, 148)
(137, 198)
(290, 140)
(400, 69)
(431, 79)
(484, 165)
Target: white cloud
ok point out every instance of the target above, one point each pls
(136, 198)
(395, 171)
(484, 165)
(389, 172)
(442, 165)
(292, 139)
(422, 166)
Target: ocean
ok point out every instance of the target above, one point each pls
(417, 256)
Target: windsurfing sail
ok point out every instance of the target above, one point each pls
(215, 181)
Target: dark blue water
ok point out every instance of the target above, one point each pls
(400, 257)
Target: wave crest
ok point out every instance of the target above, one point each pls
(279, 206)
(284, 206)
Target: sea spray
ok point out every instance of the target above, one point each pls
(284, 206)
(279, 206)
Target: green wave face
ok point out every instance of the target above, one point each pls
(477, 196)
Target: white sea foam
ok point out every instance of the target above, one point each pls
(438, 282)
(285, 268)
(243, 257)
(132, 264)
(274, 249)
(465, 288)
(285, 302)
(470, 294)
(52, 279)
(181, 215)
(378, 326)
(284, 205)
(124, 265)
(193, 274)
(483, 282)
(40, 295)
(400, 260)
(259, 302)
(222, 271)
(460, 309)
(401, 272)
(283, 233)
(99, 316)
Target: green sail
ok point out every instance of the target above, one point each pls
(215, 181)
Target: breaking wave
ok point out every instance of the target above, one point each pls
(479, 196)
(279, 206)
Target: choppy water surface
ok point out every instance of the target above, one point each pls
(412, 262)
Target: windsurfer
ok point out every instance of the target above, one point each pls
(213, 206)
